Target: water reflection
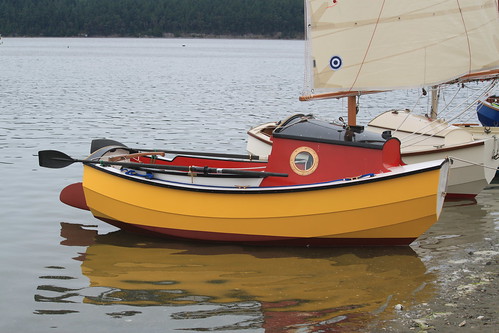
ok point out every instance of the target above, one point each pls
(463, 222)
(277, 289)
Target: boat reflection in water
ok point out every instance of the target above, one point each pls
(281, 288)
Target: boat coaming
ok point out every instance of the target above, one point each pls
(324, 214)
(259, 139)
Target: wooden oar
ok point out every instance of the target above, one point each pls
(56, 159)
(101, 143)
(116, 158)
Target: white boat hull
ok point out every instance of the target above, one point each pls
(468, 176)
(474, 160)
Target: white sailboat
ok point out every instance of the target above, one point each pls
(359, 47)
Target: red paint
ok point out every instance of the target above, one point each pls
(72, 195)
(459, 196)
(335, 161)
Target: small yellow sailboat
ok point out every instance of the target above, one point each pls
(323, 185)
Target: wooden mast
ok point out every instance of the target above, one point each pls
(435, 94)
(352, 111)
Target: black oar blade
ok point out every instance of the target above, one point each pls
(54, 159)
(101, 143)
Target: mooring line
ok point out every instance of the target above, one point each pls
(470, 162)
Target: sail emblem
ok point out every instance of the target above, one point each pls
(335, 63)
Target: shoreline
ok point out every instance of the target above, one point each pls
(466, 298)
(467, 286)
(173, 36)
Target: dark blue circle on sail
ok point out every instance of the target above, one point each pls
(335, 62)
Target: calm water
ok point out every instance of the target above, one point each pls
(63, 271)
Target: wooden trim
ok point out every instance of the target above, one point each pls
(339, 94)
(485, 75)
(259, 138)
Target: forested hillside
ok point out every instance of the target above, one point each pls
(157, 18)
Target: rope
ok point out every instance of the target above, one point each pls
(355, 178)
(128, 172)
(495, 154)
(419, 135)
(369, 45)
(467, 35)
(472, 163)
(447, 109)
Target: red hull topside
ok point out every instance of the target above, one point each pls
(335, 153)
(336, 162)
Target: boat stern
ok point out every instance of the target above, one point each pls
(442, 184)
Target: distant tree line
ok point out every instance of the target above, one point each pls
(155, 18)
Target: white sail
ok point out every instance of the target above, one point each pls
(364, 45)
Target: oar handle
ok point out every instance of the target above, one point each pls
(237, 172)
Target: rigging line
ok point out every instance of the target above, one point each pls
(481, 96)
(471, 100)
(308, 66)
(475, 99)
(420, 134)
(484, 93)
(408, 114)
(368, 46)
(423, 138)
(472, 163)
(467, 40)
(467, 36)
(447, 105)
(417, 135)
(447, 108)
(475, 96)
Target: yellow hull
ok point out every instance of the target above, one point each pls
(384, 210)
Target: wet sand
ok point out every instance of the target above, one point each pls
(468, 278)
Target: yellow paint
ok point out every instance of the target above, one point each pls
(310, 280)
(374, 210)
